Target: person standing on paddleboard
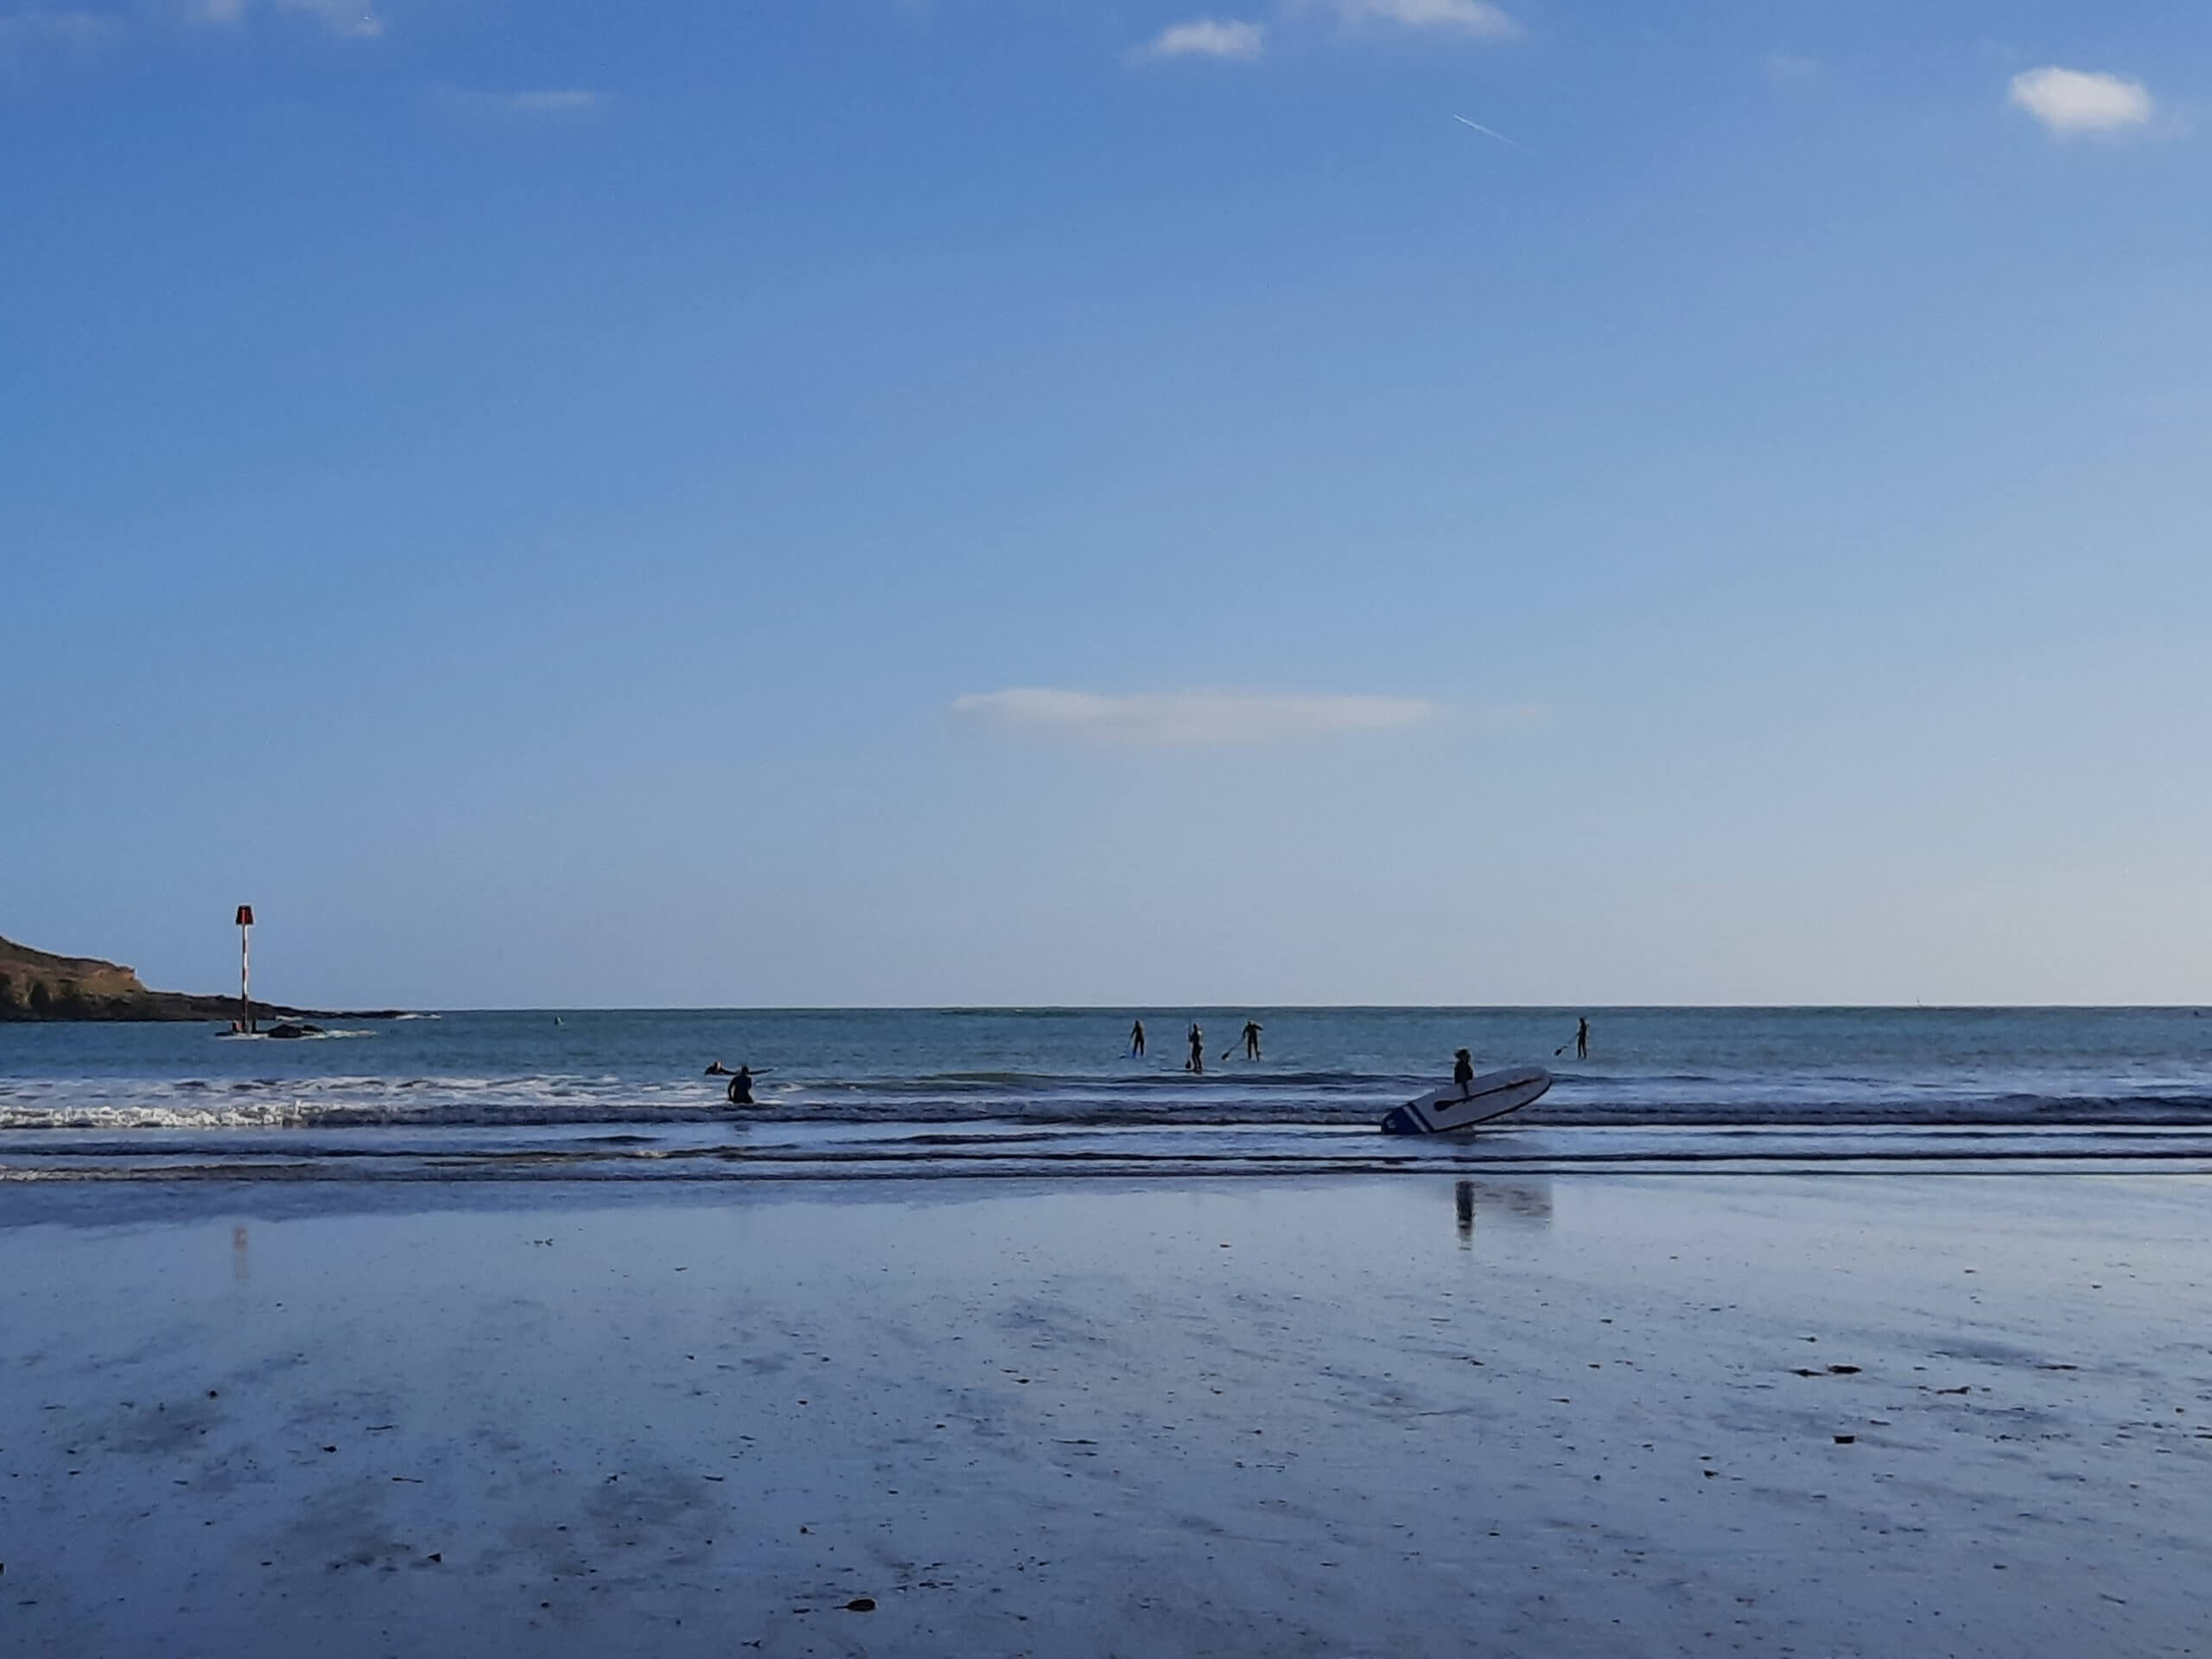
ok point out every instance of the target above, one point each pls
(1136, 1041)
(1582, 1037)
(1251, 1040)
(1197, 1063)
(1463, 1071)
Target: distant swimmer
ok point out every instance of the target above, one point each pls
(1582, 1039)
(1251, 1040)
(741, 1086)
(1136, 1041)
(1463, 1071)
(1197, 1061)
(718, 1069)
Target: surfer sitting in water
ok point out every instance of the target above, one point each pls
(1463, 1071)
(718, 1069)
(741, 1086)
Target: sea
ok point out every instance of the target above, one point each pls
(622, 1094)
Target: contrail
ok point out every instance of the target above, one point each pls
(1489, 133)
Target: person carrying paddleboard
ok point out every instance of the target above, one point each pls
(1463, 1070)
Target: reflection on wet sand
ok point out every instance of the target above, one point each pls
(239, 1270)
(1511, 1203)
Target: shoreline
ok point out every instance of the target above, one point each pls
(1591, 1412)
(718, 1148)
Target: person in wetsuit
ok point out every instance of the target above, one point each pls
(1582, 1039)
(1251, 1040)
(741, 1086)
(1197, 1061)
(1463, 1070)
(1136, 1041)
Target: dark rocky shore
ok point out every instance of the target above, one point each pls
(39, 985)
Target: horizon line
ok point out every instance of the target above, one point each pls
(1311, 1007)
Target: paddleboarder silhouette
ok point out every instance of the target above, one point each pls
(1581, 1041)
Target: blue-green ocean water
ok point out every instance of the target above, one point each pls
(618, 1093)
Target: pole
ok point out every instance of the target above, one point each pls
(245, 992)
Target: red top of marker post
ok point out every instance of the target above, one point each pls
(246, 916)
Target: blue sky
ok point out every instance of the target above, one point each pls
(988, 501)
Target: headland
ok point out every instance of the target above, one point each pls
(40, 985)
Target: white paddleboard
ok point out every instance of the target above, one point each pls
(1490, 1096)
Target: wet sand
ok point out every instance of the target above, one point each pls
(1596, 1416)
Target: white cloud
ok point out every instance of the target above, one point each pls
(552, 104)
(2073, 100)
(1207, 37)
(355, 19)
(572, 100)
(1474, 19)
(71, 31)
(1187, 717)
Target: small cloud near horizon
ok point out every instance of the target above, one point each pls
(353, 19)
(1206, 37)
(2069, 101)
(1472, 19)
(548, 104)
(1178, 718)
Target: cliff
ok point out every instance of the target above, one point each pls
(38, 985)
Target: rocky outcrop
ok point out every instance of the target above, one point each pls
(39, 985)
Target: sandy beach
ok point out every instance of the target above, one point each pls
(1614, 1415)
